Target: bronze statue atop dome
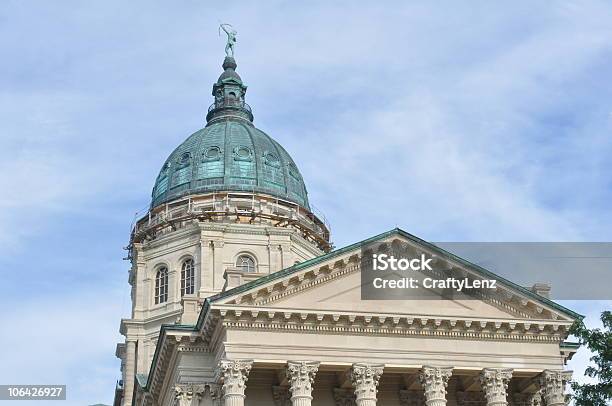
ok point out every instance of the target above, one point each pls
(231, 38)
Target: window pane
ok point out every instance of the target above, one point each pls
(245, 263)
(187, 277)
(161, 285)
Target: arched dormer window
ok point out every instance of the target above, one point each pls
(161, 285)
(187, 277)
(245, 263)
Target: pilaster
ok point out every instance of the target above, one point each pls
(281, 396)
(217, 264)
(364, 378)
(189, 394)
(495, 385)
(344, 397)
(411, 398)
(434, 381)
(130, 371)
(470, 398)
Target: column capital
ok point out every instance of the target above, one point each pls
(233, 375)
(300, 375)
(552, 385)
(364, 378)
(495, 385)
(434, 380)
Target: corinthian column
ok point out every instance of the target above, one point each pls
(552, 384)
(434, 381)
(364, 378)
(233, 375)
(495, 384)
(300, 375)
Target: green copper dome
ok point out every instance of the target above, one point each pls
(229, 154)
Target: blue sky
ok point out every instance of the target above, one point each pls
(455, 122)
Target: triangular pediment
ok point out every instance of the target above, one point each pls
(344, 294)
(331, 284)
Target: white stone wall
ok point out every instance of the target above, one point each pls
(214, 247)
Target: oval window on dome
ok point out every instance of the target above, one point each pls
(242, 153)
(212, 153)
(271, 159)
(212, 165)
(185, 158)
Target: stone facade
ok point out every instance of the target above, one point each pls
(238, 301)
(304, 337)
(214, 248)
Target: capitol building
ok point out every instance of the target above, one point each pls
(240, 299)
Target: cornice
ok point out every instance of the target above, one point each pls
(140, 323)
(252, 229)
(322, 322)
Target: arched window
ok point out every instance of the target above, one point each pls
(161, 285)
(187, 277)
(245, 263)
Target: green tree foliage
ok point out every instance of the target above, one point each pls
(600, 343)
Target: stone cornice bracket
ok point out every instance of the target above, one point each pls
(364, 378)
(552, 385)
(495, 385)
(434, 381)
(233, 375)
(300, 375)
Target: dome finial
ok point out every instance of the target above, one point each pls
(229, 91)
(231, 39)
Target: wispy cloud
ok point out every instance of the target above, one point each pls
(487, 122)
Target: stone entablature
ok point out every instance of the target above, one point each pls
(243, 317)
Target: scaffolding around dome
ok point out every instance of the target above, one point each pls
(232, 208)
